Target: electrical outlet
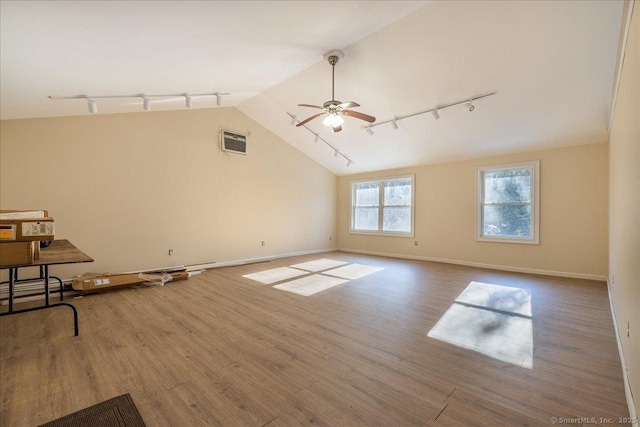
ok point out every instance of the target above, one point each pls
(415, 243)
(330, 238)
(263, 243)
(170, 251)
(628, 326)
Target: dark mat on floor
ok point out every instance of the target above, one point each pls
(117, 412)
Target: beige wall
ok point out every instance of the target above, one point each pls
(624, 213)
(573, 214)
(127, 187)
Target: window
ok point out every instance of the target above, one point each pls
(383, 206)
(508, 203)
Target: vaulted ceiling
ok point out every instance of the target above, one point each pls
(551, 64)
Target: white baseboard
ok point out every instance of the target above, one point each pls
(255, 260)
(625, 375)
(484, 265)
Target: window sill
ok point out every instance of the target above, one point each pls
(382, 233)
(508, 240)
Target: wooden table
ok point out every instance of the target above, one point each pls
(58, 252)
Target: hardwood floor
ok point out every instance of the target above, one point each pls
(221, 349)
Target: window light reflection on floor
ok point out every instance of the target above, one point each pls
(275, 275)
(492, 320)
(353, 271)
(319, 264)
(312, 283)
(496, 297)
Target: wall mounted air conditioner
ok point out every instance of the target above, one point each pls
(233, 142)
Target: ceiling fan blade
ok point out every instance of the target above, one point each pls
(357, 115)
(349, 104)
(337, 128)
(309, 119)
(312, 106)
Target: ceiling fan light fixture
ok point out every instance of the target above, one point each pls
(333, 120)
(93, 107)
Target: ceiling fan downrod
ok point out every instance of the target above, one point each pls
(333, 60)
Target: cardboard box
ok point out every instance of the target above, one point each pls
(26, 230)
(17, 253)
(23, 214)
(91, 282)
(179, 275)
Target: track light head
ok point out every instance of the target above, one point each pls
(219, 96)
(294, 119)
(335, 154)
(369, 130)
(189, 101)
(93, 107)
(394, 123)
(146, 103)
(349, 163)
(316, 138)
(435, 113)
(470, 106)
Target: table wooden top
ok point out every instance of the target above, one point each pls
(58, 252)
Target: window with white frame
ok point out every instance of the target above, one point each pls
(508, 206)
(383, 206)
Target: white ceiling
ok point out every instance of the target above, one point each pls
(551, 63)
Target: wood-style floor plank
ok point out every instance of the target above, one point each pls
(223, 350)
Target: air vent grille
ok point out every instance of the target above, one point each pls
(233, 142)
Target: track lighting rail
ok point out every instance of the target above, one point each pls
(434, 111)
(317, 137)
(146, 102)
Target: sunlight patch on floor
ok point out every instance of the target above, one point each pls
(275, 275)
(313, 283)
(500, 336)
(310, 285)
(491, 319)
(353, 271)
(319, 264)
(496, 297)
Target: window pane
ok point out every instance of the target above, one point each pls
(507, 186)
(507, 220)
(396, 219)
(365, 219)
(367, 194)
(397, 193)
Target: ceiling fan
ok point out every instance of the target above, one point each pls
(334, 110)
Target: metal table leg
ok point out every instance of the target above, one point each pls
(44, 272)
